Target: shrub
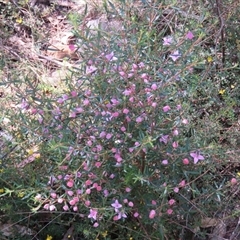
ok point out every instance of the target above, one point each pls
(129, 150)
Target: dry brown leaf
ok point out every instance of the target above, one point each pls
(12, 229)
(209, 222)
(219, 231)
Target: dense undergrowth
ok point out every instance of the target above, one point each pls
(140, 140)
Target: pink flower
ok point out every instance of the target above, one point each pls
(130, 204)
(179, 107)
(93, 214)
(169, 211)
(46, 206)
(109, 56)
(144, 76)
(175, 144)
(125, 111)
(171, 202)
(123, 129)
(185, 161)
(91, 69)
(166, 108)
(134, 66)
(79, 110)
(131, 150)
(122, 73)
(70, 183)
(52, 208)
(131, 99)
(137, 144)
(127, 189)
(53, 195)
(106, 193)
(112, 176)
(139, 119)
(88, 191)
(99, 148)
(196, 157)
(74, 94)
(154, 86)
(167, 41)
(86, 102)
(88, 182)
(71, 47)
(175, 55)
(182, 183)
(38, 197)
(175, 132)
(164, 139)
(136, 214)
(154, 104)
(131, 74)
(72, 202)
(79, 191)
(114, 101)
(233, 181)
(121, 215)
(141, 65)
(190, 35)
(128, 119)
(95, 224)
(75, 208)
(98, 164)
(116, 205)
(117, 156)
(164, 162)
(185, 121)
(152, 214)
(70, 193)
(154, 202)
(34, 111)
(72, 115)
(108, 136)
(102, 134)
(65, 207)
(127, 92)
(176, 189)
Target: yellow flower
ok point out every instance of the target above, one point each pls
(222, 91)
(30, 151)
(2, 190)
(37, 155)
(20, 194)
(238, 174)
(19, 20)
(232, 86)
(104, 234)
(49, 237)
(209, 59)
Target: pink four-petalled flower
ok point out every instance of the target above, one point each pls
(196, 157)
